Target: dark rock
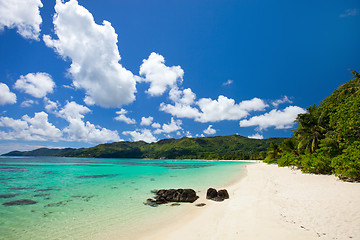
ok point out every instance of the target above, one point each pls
(215, 195)
(151, 202)
(223, 194)
(172, 195)
(8, 195)
(20, 202)
(211, 193)
(175, 204)
(200, 204)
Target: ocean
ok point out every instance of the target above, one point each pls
(88, 198)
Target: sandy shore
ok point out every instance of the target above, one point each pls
(274, 203)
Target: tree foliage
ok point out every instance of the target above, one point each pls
(327, 139)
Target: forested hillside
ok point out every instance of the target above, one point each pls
(221, 147)
(327, 139)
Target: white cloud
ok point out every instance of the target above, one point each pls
(160, 76)
(81, 131)
(23, 15)
(256, 136)
(36, 84)
(156, 125)
(277, 102)
(6, 97)
(51, 106)
(210, 130)
(37, 128)
(73, 111)
(173, 126)
(280, 119)
(95, 57)
(226, 109)
(146, 121)
(228, 82)
(349, 12)
(28, 103)
(141, 135)
(123, 118)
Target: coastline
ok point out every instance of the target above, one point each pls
(273, 203)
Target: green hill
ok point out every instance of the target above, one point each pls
(327, 139)
(221, 147)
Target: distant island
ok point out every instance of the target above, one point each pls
(215, 148)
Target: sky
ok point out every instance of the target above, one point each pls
(80, 73)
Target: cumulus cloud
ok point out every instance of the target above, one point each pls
(37, 128)
(6, 96)
(28, 103)
(72, 111)
(36, 84)
(280, 119)
(226, 109)
(277, 102)
(51, 106)
(146, 121)
(173, 126)
(256, 136)
(123, 118)
(94, 54)
(210, 130)
(156, 125)
(141, 135)
(183, 101)
(349, 12)
(24, 15)
(160, 76)
(81, 131)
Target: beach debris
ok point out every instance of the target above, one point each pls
(200, 204)
(172, 195)
(8, 195)
(215, 195)
(20, 202)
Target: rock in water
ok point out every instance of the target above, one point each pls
(20, 202)
(8, 195)
(215, 195)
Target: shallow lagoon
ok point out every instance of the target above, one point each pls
(86, 198)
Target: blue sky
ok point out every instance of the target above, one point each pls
(80, 73)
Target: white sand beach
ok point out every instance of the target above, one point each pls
(274, 203)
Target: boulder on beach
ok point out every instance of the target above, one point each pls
(172, 195)
(215, 195)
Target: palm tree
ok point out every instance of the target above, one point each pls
(310, 130)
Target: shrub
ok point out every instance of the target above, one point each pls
(347, 165)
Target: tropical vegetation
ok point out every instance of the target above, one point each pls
(327, 140)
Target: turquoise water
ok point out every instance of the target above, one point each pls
(96, 198)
